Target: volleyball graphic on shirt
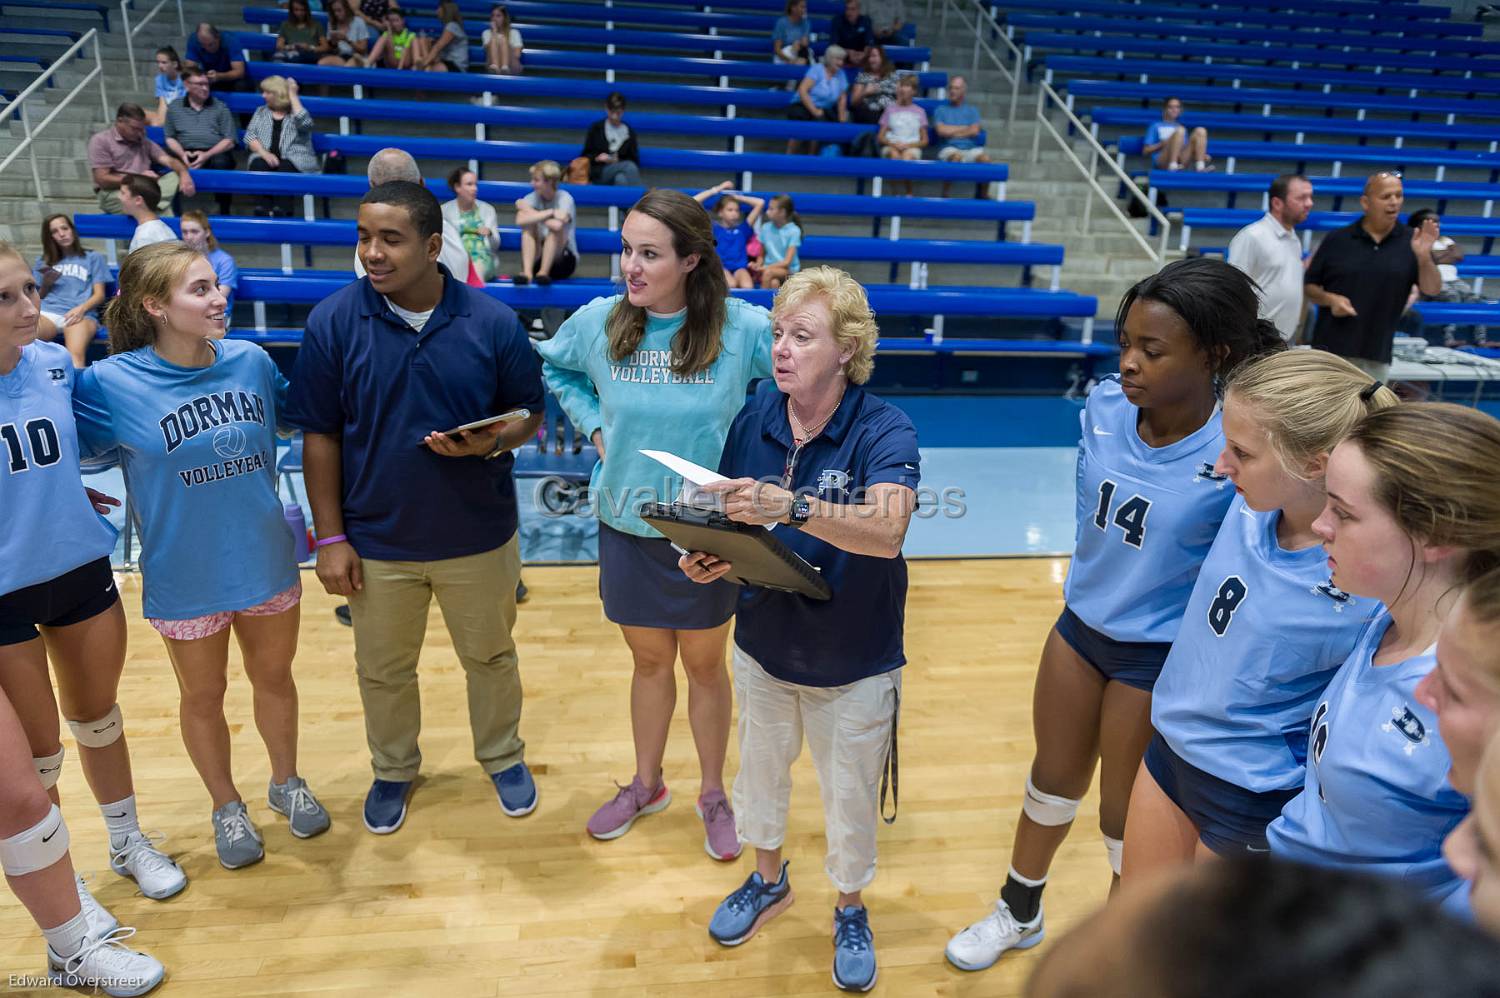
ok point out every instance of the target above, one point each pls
(229, 441)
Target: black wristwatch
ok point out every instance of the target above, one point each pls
(801, 510)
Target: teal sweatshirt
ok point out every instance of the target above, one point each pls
(640, 404)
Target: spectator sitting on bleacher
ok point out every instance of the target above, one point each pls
(874, 90)
(957, 123)
(449, 51)
(70, 281)
(123, 150)
(300, 38)
(198, 234)
(476, 221)
(611, 149)
(502, 43)
(1171, 145)
(903, 126)
(200, 130)
(393, 164)
(348, 34)
(887, 17)
(205, 46)
(732, 231)
(853, 32)
(139, 196)
(547, 217)
(780, 239)
(168, 84)
(396, 48)
(1361, 274)
(1269, 251)
(791, 38)
(823, 93)
(1447, 255)
(279, 138)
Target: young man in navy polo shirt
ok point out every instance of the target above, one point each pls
(405, 513)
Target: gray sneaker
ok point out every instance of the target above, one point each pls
(235, 837)
(305, 815)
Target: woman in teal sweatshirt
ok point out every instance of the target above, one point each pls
(664, 366)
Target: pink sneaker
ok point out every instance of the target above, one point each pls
(615, 818)
(720, 840)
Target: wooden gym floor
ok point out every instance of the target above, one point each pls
(465, 901)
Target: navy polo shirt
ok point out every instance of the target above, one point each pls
(858, 633)
(364, 374)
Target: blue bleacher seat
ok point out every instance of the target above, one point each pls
(1233, 184)
(82, 8)
(1139, 119)
(1297, 156)
(1323, 221)
(1412, 18)
(1265, 98)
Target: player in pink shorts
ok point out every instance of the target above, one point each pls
(193, 417)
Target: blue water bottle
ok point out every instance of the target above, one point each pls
(298, 523)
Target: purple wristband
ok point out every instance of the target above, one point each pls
(336, 538)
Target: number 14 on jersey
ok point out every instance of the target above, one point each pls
(1129, 516)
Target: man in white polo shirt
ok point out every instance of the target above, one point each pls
(1269, 250)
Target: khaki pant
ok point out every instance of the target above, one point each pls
(477, 595)
(109, 201)
(848, 729)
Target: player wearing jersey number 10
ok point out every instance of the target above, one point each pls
(57, 581)
(194, 418)
(1149, 505)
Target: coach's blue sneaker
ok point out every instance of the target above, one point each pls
(741, 914)
(385, 805)
(853, 949)
(517, 790)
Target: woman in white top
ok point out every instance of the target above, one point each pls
(502, 43)
(475, 220)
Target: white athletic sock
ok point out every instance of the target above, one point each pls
(121, 821)
(67, 938)
(1025, 880)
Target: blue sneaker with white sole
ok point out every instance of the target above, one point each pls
(853, 949)
(517, 790)
(753, 904)
(385, 805)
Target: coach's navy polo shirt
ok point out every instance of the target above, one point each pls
(366, 375)
(858, 633)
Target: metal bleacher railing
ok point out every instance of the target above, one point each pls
(133, 29)
(18, 108)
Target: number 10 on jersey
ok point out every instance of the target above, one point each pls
(1130, 515)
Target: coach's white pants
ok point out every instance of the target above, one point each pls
(848, 729)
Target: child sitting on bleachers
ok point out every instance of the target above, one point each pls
(732, 231)
(780, 237)
(396, 48)
(903, 125)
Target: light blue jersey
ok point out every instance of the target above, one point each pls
(198, 447)
(640, 403)
(50, 526)
(1377, 796)
(1146, 519)
(1264, 632)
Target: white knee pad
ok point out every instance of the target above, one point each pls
(97, 734)
(1115, 848)
(37, 848)
(49, 768)
(1047, 809)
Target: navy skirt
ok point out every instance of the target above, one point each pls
(641, 586)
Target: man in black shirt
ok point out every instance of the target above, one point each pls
(1361, 276)
(854, 33)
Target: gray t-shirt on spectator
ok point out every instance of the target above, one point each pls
(563, 202)
(457, 51)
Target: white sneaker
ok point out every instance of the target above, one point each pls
(101, 923)
(105, 963)
(981, 944)
(153, 871)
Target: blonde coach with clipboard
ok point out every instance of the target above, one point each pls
(836, 469)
